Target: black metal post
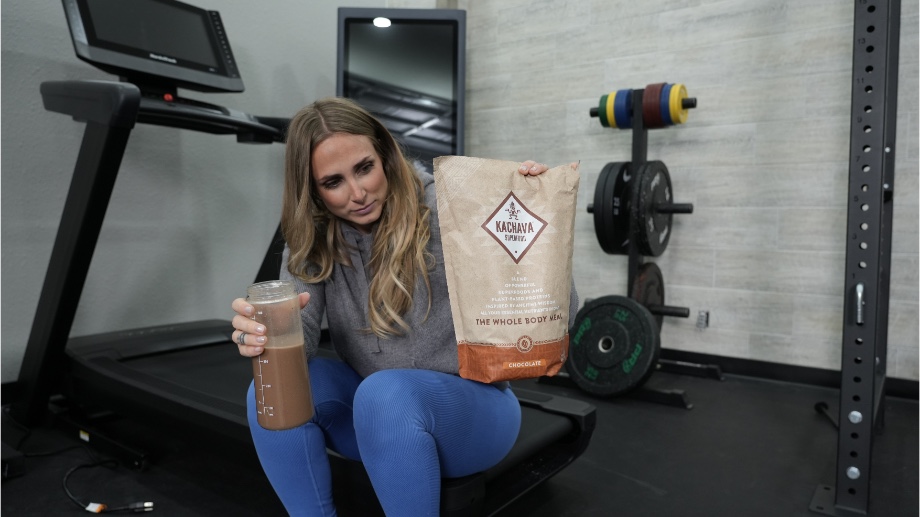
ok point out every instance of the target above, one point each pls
(876, 28)
(639, 157)
(109, 110)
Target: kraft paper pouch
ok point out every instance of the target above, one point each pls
(507, 242)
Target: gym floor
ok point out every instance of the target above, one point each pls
(748, 447)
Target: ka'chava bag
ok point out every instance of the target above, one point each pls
(507, 242)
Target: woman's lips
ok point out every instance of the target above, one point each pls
(366, 209)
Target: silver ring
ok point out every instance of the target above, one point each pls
(241, 338)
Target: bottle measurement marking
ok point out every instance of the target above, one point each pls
(266, 410)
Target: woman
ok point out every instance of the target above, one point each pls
(364, 248)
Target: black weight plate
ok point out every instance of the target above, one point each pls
(648, 288)
(614, 346)
(600, 208)
(611, 208)
(620, 200)
(653, 228)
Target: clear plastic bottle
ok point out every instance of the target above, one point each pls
(282, 380)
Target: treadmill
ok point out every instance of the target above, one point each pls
(190, 374)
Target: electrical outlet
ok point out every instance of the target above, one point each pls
(702, 320)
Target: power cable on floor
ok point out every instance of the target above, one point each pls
(92, 507)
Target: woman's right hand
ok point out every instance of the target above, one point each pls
(253, 332)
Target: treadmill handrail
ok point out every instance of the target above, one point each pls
(211, 119)
(109, 103)
(110, 110)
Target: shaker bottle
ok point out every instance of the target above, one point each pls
(282, 381)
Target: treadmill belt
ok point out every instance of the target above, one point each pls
(217, 370)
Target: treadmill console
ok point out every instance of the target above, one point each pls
(158, 45)
(161, 46)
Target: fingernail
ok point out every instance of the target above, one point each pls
(260, 339)
(260, 329)
(533, 169)
(248, 309)
(523, 168)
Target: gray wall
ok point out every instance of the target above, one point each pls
(763, 159)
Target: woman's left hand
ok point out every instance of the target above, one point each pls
(532, 168)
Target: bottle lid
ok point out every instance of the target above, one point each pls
(271, 290)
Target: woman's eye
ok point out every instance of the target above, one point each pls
(367, 167)
(329, 185)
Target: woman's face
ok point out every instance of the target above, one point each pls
(349, 179)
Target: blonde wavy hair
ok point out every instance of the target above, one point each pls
(314, 236)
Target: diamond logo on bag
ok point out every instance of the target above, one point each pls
(514, 227)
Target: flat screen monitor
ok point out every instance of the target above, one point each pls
(158, 45)
(407, 67)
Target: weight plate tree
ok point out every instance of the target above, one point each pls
(873, 121)
(616, 339)
(615, 346)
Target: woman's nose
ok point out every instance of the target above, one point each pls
(357, 191)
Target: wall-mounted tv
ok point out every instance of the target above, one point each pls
(407, 67)
(158, 45)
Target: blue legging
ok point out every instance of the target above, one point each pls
(408, 427)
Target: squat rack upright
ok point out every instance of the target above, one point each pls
(873, 121)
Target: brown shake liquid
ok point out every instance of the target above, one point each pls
(282, 382)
